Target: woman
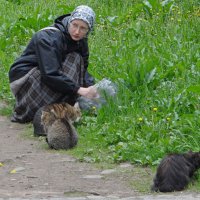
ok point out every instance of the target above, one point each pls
(53, 67)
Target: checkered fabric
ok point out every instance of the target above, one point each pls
(31, 93)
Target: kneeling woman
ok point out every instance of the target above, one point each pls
(53, 67)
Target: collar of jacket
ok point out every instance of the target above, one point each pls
(62, 23)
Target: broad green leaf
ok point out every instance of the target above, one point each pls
(195, 89)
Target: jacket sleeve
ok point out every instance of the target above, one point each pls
(49, 46)
(84, 51)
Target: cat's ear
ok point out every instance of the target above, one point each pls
(76, 105)
(54, 112)
(44, 113)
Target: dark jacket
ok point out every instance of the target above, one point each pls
(47, 50)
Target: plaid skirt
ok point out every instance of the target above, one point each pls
(31, 94)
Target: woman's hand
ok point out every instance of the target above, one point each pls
(89, 92)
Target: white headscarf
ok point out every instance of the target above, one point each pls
(84, 13)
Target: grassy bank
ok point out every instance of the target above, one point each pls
(150, 49)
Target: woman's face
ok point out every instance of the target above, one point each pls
(78, 29)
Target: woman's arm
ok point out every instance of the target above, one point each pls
(49, 53)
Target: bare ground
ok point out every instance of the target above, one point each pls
(29, 170)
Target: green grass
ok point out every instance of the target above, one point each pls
(150, 50)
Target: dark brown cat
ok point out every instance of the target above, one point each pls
(38, 128)
(175, 171)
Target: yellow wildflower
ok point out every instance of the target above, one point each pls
(168, 118)
(140, 119)
(155, 109)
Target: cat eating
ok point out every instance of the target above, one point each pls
(56, 123)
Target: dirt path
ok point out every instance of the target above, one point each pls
(31, 171)
(27, 170)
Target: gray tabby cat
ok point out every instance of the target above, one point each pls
(57, 121)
